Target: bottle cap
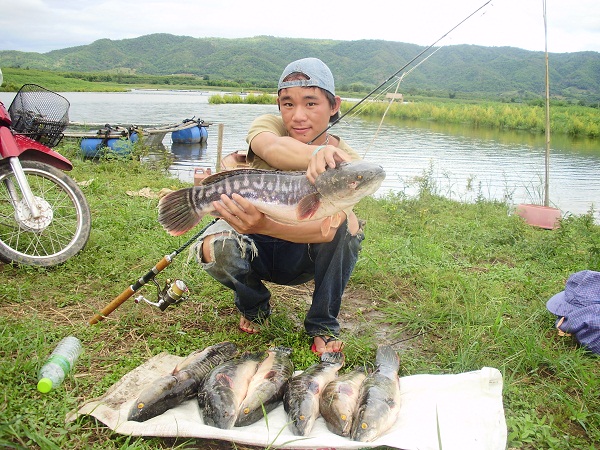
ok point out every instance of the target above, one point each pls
(44, 385)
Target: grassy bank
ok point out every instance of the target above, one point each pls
(454, 287)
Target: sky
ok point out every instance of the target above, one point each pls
(45, 25)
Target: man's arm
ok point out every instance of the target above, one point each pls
(286, 153)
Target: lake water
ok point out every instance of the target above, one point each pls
(465, 163)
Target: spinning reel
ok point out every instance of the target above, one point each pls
(173, 293)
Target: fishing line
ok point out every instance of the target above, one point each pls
(399, 70)
(392, 99)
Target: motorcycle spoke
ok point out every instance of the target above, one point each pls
(55, 236)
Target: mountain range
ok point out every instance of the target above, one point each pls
(490, 72)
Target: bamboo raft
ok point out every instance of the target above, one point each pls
(153, 134)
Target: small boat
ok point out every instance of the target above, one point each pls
(234, 160)
(120, 139)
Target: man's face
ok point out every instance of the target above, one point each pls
(305, 111)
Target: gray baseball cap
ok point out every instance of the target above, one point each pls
(316, 70)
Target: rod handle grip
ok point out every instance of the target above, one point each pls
(117, 301)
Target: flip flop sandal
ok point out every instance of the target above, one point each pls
(326, 340)
(255, 331)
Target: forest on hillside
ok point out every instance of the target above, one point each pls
(503, 73)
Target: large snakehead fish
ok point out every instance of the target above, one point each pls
(286, 197)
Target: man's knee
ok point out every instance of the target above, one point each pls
(208, 246)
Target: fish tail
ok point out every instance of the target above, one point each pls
(281, 349)
(177, 212)
(333, 357)
(386, 356)
(361, 369)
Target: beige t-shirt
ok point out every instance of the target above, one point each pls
(274, 124)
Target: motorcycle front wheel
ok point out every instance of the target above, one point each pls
(61, 231)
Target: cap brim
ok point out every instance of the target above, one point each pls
(557, 304)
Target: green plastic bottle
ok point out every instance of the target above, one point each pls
(60, 362)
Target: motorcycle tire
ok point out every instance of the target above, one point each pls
(64, 227)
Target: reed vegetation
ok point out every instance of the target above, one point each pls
(571, 120)
(564, 119)
(251, 99)
(454, 287)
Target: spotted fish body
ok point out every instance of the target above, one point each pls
(201, 362)
(182, 384)
(301, 398)
(379, 398)
(286, 197)
(267, 386)
(339, 399)
(225, 388)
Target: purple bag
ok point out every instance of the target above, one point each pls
(578, 309)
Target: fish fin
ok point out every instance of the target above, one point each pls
(201, 398)
(308, 206)
(330, 222)
(386, 356)
(346, 389)
(218, 176)
(336, 220)
(224, 380)
(270, 374)
(313, 387)
(326, 226)
(177, 212)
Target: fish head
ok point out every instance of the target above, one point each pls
(301, 424)
(302, 407)
(161, 395)
(370, 421)
(338, 417)
(344, 423)
(350, 181)
(219, 414)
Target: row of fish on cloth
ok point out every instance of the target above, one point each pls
(234, 389)
(463, 411)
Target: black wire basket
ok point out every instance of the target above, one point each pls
(39, 114)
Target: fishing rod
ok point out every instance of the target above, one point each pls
(171, 294)
(399, 70)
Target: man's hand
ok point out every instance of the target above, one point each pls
(241, 214)
(328, 156)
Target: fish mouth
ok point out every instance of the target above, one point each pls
(370, 180)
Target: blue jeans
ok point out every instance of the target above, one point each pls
(243, 262)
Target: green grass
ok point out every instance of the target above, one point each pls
(463, 286)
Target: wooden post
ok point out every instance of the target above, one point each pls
(219, 148)
(547, 155)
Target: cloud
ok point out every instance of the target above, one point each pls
(44, 25)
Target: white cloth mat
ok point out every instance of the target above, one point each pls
(466, 408)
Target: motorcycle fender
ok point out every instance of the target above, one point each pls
(28, 149)
(8, 145)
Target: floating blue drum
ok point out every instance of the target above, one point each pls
(91, 147)
(191, 135)
(95, 147)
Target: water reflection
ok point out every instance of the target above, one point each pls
(188, 157)
(189, 152)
